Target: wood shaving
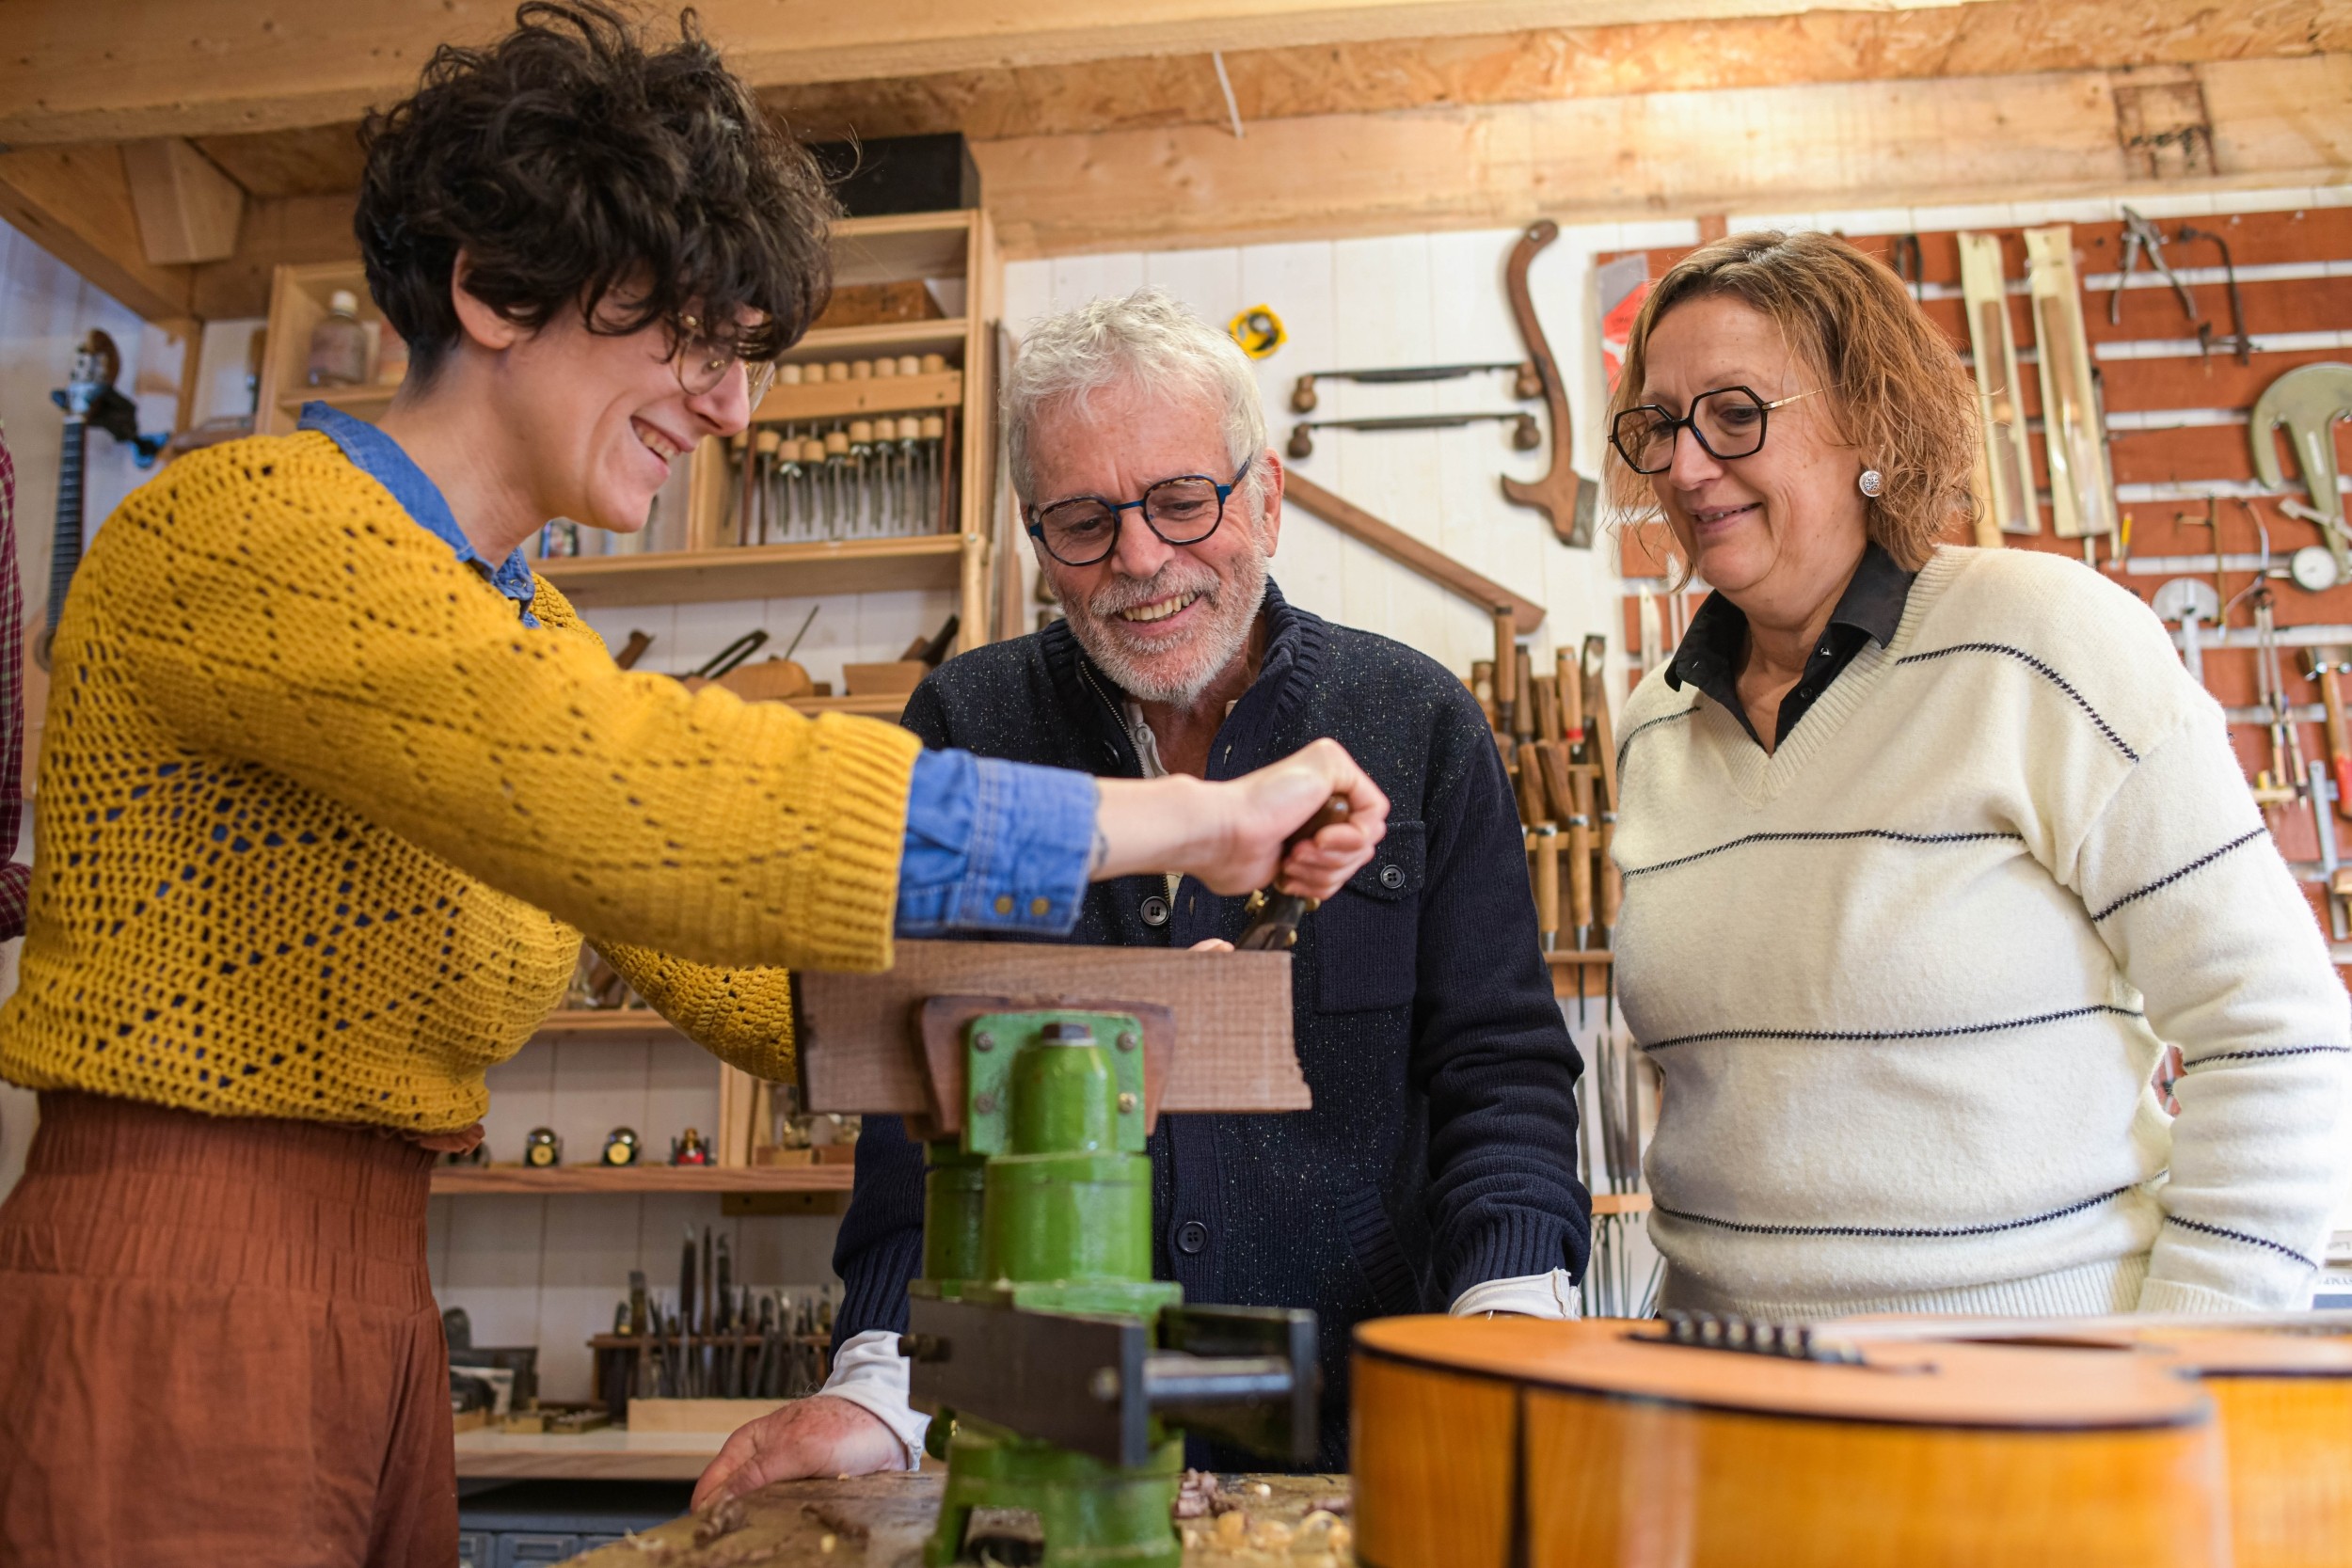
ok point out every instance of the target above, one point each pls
(1314, 1532)
(835, 1520)
(1271, 1535)
(724, 1517)
(1197, 1498)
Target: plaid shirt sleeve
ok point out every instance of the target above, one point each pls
(14, 875)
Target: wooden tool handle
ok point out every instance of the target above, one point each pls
(1529, 783)
(1601, 730)
(1506, 671)
(1523, 703)
(1581, 855)
(2338, 746)
(1559, 793)
(1547, 885)
(1612, 880)
(1547, 688)
(1272, 915)
(1569, 681)
(1330, 814)
(1482, 683)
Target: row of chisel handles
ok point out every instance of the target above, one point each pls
(883, 369)
(859, 479)
(1555, 730)
(764, 1344)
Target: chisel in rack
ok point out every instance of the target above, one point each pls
(685, 1319)
(1547, 841)
(1580, 873)
(1506, 669)
(1569, 681)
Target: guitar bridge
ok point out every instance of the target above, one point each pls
(1750, 1337)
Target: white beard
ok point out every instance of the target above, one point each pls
(1174, 677)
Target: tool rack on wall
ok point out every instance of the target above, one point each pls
(2177, 410)
(953, 253)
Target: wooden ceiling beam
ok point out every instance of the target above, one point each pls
(80, 70)
(1986, 38)
(1982, 37)
(75, 203)
(1798, 149)
(293, 231)
(1794, 148)
(187, 209)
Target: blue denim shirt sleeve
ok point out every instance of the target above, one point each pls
(993, 845)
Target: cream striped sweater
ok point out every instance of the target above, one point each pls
(1907, 977)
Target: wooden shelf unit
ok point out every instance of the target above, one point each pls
(297, 303)
(568, 1024)
(841, 400)
(475, 1181)
(768, 571)
(936, 335)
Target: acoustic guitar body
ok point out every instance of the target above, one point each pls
(2284, 1403)
(1515, 1443)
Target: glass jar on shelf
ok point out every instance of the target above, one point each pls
(339, 345)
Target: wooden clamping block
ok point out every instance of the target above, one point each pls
(1227, 1019)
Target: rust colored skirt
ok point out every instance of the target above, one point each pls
(218, 1345)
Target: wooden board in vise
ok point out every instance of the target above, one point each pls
(860, 1035)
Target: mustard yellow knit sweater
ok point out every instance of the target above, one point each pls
(321, 823)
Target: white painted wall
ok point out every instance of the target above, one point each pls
(45, 310)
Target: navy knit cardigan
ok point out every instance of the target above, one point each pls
(1441, 1150)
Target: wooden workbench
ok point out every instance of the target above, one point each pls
(883, 1521)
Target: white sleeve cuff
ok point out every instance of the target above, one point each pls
(870, 1373)
(1534, 1296)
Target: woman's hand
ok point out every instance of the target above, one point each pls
(1230, 834)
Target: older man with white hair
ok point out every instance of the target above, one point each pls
(1435, 1170)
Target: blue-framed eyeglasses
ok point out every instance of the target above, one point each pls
(1085, 529)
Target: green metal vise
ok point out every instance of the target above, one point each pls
(1057, 1369)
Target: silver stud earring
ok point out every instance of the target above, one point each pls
(1871, 481)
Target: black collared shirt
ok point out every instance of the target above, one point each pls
(1712, 651)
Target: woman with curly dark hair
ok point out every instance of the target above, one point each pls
(334, 788)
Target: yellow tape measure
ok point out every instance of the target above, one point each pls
(1258, 330)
